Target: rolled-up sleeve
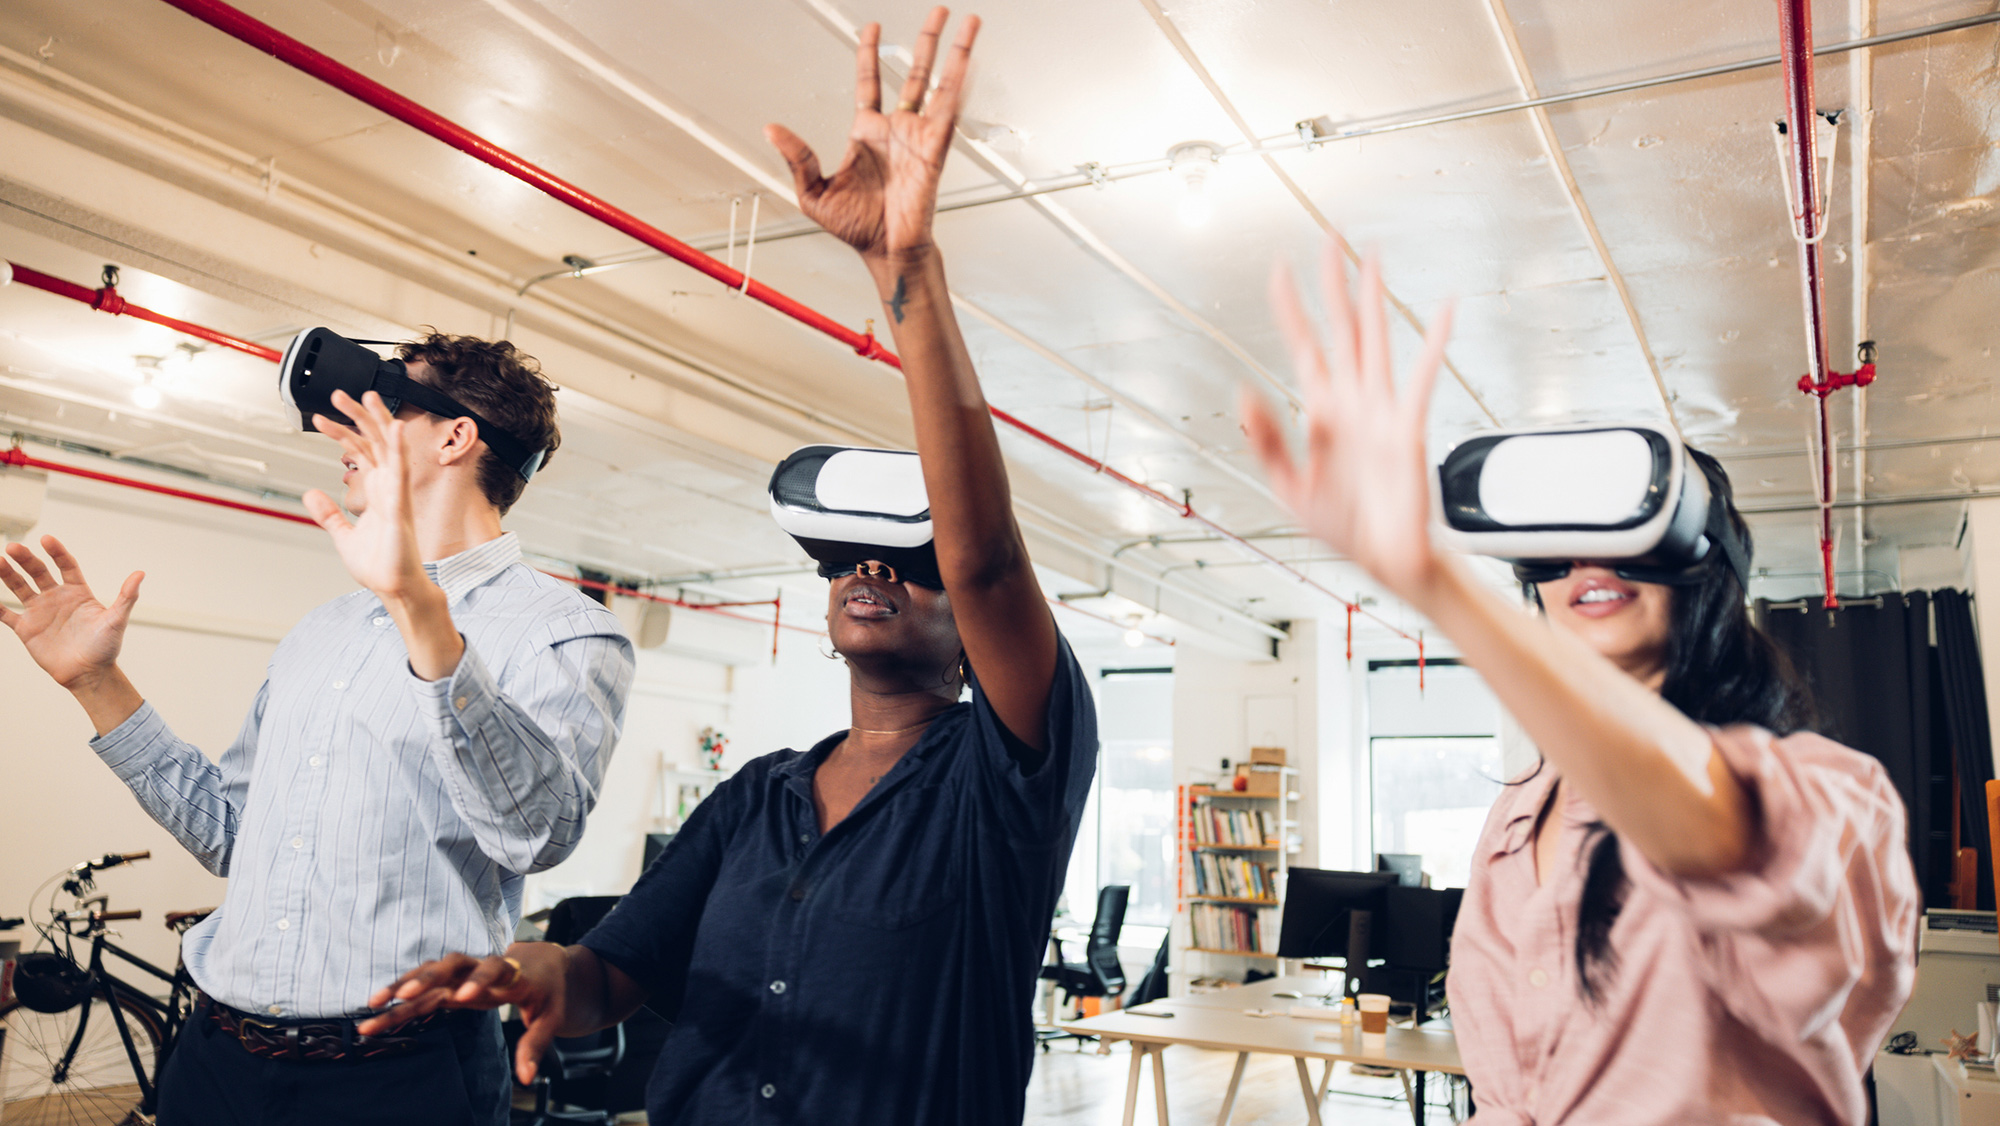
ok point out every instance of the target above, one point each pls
(524, 751)
(1828, 904)
(198, 801)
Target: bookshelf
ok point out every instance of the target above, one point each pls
(1234, 851)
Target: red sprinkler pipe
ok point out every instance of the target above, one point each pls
(285, 49)
(20, 460)
(107, 300)
(1795, 29)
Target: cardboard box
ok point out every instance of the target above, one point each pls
(1260, 781)
(1267, 756)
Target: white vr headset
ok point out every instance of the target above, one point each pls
(1623, 494)
(850, 507)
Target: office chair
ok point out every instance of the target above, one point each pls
(572, 1087)
(1099, 974)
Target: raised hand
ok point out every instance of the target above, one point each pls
(379, 549)
(67, 631)
(531, 975)
(881, 198)
(1363, 486)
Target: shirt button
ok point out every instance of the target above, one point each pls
(768, 1091)
(313, 761)
(274, 1010)
(777, 987)
(1537, 978)
(459, 703)
(805, 838)
(378, 623)
(339, 684)
(298, 842)
(798, 893)
(284, 924)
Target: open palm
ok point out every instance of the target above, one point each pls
(881, 198)
(66, 630)
(380, 548)
(1363, 486)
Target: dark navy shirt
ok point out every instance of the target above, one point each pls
(881, 974)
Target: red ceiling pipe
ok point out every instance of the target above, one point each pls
(107, 300)
(284, 48)
(1795, 29)
(19, 459)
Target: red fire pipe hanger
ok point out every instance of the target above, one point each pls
(1808, 226)
(285, 49)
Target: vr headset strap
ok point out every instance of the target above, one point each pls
(510, 449)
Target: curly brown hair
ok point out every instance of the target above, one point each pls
(506, 386)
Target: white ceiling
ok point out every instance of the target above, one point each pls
(239, 193)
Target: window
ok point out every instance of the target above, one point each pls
(1434, 764)
(1127, 835)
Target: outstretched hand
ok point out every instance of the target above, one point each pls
(66, 630)
(881, 198)
(1363, 486)
(380, 548)
(531, 975)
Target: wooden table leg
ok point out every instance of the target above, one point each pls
(1229, 1096)
(1132, 1083)
(1160, 1082)
(1325, 1077)
(1306, 1088)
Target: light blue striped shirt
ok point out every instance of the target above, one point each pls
(369, 821)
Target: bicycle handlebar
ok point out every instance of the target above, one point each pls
(110, 860)
(114, 916)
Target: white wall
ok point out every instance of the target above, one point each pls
(1983, 539)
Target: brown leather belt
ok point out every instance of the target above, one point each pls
(313, 1040)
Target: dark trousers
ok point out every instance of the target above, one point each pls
(457, 1076)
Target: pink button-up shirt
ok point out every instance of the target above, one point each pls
(1758, 997)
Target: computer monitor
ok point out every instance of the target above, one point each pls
(1408, 866)
(1328, 913)
(1416, 933)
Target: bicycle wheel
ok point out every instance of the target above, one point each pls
(97, 1087)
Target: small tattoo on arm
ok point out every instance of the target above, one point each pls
(898, 300)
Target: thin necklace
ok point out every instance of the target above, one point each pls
(895, 733)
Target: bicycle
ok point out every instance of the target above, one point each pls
(77, 1043)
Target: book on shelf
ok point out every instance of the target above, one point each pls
(1233, 877)
(1253, 930)
(1251, 828)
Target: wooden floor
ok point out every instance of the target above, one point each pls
(1071, 1088)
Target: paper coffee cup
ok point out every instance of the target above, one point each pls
(1374, 1012)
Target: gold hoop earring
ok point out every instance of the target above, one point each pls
(827, 650)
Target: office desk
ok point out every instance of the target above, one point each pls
(1217, 1021)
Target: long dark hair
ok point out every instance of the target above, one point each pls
(1721, 669)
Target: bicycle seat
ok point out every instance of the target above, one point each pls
(180, 921)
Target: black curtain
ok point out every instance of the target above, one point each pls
(1878, 686)
(1962, 681)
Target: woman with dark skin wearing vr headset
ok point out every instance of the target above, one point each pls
(852, 934)
(1689, 911)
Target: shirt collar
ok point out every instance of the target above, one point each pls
(459, 574)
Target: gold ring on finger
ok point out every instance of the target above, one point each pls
(518, 972)
(905, 106)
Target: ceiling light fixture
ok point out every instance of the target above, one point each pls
(1135, 637)
(1191, 162)
(147, 396)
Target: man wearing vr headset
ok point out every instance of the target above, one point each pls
(417, 747)
(852, 934)
(1692, 910)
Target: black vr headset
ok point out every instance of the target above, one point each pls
(1628, 496)
(850, 507)
(320, 361)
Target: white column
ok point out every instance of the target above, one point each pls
(1983, 542)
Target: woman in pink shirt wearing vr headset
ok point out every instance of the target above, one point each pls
(1692, 909)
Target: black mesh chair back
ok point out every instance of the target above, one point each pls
(1101, 952)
